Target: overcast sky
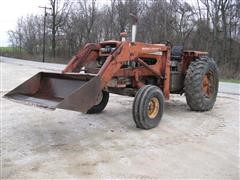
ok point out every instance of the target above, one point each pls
(11, 10)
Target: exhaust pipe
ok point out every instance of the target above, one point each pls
(134, 27)
(134, 32)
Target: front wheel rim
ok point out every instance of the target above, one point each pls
(153, 107)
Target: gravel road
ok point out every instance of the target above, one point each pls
(38, 143)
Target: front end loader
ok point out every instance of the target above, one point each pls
(148, 72)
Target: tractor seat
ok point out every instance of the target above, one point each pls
(176, 53)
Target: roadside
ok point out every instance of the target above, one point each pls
(34, 64)
(231, 80)
(229, 88)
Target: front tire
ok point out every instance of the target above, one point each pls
(101, 104)
(201, 84)
(148, 107)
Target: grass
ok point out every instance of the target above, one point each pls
(14, 52)
(10, 50)
(7, 49)
(231, 80)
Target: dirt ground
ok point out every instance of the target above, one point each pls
(38, 143)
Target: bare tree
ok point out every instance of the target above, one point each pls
(185, 21)
(16, 37)
(212, 25)
(59, 14)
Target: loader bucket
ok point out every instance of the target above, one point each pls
(77, 92)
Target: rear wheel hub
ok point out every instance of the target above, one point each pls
(207, 85)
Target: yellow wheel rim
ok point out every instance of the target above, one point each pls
(153, 107)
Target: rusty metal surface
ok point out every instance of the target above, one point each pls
(54, 90)
(83, 98)
(149, 67)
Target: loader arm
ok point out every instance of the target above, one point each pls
(113, 63)
(84, 56)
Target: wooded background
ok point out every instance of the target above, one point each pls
(208, 25)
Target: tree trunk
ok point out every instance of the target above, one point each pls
(53, 4)
(224, 24)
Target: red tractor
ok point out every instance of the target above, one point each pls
(149, 72)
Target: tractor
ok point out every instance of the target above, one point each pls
(147, 72)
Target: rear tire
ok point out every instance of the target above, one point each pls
(201, 84)
(148, 107)
(101, 105)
